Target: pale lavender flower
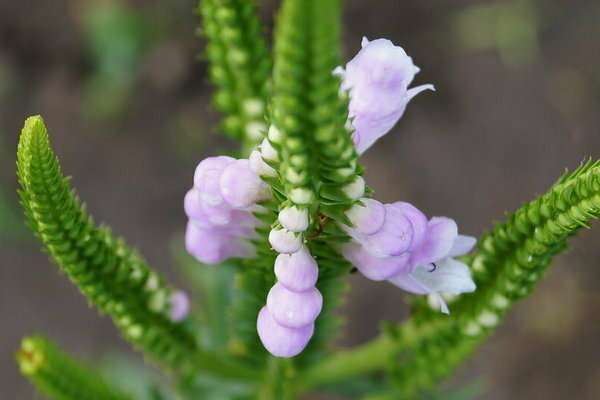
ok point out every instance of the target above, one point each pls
(207, 175)
(294, 309)
(378, 78)
(240, 186)
(403, 225)
(367, 218)
(216, 244)
(298, 272)
(373, 267)
(180, 306)
(279, 340)
(284, 241)
(445, 275)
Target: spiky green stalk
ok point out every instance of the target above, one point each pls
(58, 376)
(508, 263)
(240, 66)
(112, 276)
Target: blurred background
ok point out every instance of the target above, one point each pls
(126, 100)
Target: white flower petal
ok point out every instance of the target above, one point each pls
(462, 245)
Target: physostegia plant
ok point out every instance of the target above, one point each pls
(285, 223)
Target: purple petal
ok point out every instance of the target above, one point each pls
(462, 245)
(375, 268)
(240, 187)
(378, 78)
(439, 239)
(180, 306)
(213, 245)
(206, 178)
(294, 309)
(395, 236)
(192, 205)
(284, 241)
(418, 221)
(368, 219)
(279, 340)
(298, 272)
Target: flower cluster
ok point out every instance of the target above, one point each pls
(394, 242)
(219, 208)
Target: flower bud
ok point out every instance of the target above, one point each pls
(294, 309)
(368, 219)
(259, 167)
(180, 306)
(279, 340)
(207, 175)
(284, 241)
(213, 245)
(298, 272)
(294, 219)
(240, 187)
(355, 189)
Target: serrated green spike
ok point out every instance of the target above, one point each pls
(240, 66)
(58, 376)
(114, 277)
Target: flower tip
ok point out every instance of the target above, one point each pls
(180, 306)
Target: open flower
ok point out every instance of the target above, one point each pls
(378, 78)
(445, 275)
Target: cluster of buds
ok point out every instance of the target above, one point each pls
(220, 207)
(286, 323)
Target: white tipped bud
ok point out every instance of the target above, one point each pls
(255, 129)
(259, 167)
(355, 189)
(268, 151)
(294, 219)
(284, 241)
(301, 195)
(274, 134)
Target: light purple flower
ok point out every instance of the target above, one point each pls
(207, 175)
(402, 224)
(240, 186)
(298, 272)
(373, 267)
(294, 309)
(180, 306)
(378, 78)
(216, 244)
(438, 242)
(368, 218)
(279, 340)
(284, 241)
(445, 275)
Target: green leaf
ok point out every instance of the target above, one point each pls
(60, 377)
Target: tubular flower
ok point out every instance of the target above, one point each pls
(395, 242)
(219, 208)
(378, 78)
